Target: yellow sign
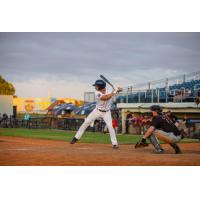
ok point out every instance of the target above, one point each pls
(40, 104)
(29, 105)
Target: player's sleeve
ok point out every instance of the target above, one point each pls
(98, 95)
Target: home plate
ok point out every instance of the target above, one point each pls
(21, 149)
(24, 149)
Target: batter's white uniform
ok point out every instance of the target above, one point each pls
(102, 110)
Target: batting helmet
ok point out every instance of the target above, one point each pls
(100, 83)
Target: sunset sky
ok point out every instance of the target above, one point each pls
(67, 64)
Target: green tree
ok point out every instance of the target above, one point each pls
(6, 88)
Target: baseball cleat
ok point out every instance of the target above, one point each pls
(115, 147)
(74, 140)
(176, 148)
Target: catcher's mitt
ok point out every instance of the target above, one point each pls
(141, 144)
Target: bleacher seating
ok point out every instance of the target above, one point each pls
(162, 94)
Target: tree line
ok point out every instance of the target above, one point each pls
(6, 88)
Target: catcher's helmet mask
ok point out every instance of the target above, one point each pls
(156, 108)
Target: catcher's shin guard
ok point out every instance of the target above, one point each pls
(155, 142)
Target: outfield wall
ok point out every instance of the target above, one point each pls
(6, 104)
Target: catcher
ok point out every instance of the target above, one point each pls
(161, 128)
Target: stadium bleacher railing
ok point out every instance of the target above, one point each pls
(176, 89)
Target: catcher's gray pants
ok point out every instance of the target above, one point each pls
(171, 136)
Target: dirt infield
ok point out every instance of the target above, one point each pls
(15, 151)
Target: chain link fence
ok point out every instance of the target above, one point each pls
(52, 123)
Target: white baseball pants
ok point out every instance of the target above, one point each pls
(95, 114)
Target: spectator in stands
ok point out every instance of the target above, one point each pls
(140, 119)
(187, 95)
(198, 98)
(27, 119)
(137, 123)
(134, 119)
(4, 120)
(146, 121)
(187, 92)
(181, 95)
(128, 122)
(12, 119)
(96, 125)
(178, 98)
(115, 124)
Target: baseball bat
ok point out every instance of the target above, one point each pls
(107, 81)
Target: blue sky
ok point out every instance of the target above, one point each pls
(66, 64)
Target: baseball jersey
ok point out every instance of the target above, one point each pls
(103, 105)
(164, 123)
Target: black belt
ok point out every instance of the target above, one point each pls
(103, 110)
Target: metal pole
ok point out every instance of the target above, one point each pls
(158, 90)
(131, 88)
(166, 91)
(181, 96)
(167, 83)
(139, 97)
(184, 78)
(127, 97)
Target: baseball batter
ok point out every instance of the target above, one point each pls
(102, 110)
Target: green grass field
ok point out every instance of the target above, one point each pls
(62, 135)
